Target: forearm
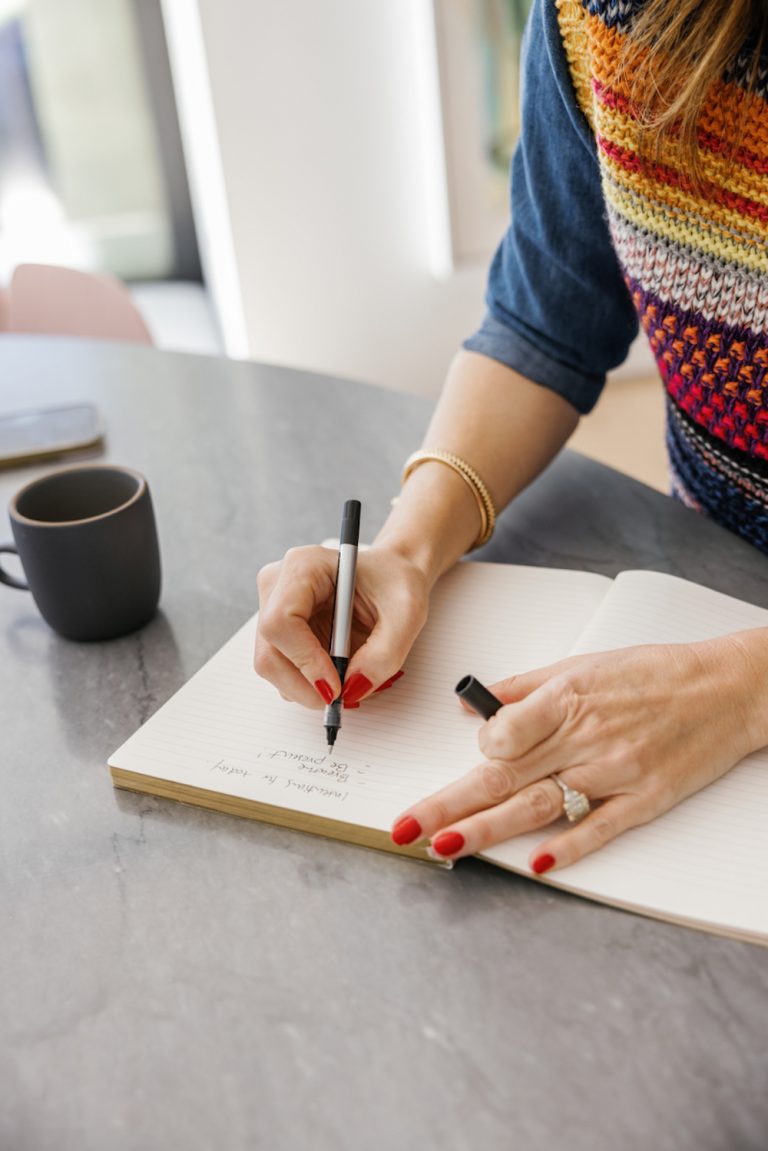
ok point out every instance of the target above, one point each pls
(504, 426)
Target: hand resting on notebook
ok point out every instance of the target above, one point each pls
(636, 730)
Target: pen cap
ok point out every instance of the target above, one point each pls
(479, 698)
(350, 523)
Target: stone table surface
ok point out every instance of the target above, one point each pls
(173, 978)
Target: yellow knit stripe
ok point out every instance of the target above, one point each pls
(713, 218)
(673, 223)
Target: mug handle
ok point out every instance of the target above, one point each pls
(7, 579)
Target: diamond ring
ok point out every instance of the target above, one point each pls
(575, 803)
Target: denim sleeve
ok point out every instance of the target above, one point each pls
(558, 310)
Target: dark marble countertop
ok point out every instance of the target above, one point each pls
(172, 978)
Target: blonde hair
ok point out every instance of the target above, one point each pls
(675, 51)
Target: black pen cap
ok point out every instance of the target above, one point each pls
(350, 523)
(479, 698)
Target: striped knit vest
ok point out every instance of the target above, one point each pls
(695, 260)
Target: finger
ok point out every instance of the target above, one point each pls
(481, 790)
(304, 585)
(384, 652)
(272, 665)
(602, 825)
(518, 727)
(517, 687)
(533, 807)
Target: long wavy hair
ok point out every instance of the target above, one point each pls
(676, 50)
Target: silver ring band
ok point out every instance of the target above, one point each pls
(575, 803)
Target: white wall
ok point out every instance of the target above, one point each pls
(316, 110)
(310, 185)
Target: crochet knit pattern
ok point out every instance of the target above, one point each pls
(695, 260)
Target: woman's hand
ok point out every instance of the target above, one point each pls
(635, 730)
(296, 613)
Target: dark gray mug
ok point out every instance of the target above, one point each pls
(87, 542)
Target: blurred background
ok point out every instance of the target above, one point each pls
(320, 185)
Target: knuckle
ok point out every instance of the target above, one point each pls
(484, 832)
(604, 828)
(570, 700)
(497, 739)
(263, 660)
(267, 576)
(542, 805)
(497, 781)
(439, 813)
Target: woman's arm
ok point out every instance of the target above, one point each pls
(506, 427)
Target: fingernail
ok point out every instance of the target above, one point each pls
(542, 863)
(324, 689)
(448, 843)
(355, 688)
(406, 830)
(392, 679)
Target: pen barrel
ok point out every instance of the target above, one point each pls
(341, 635)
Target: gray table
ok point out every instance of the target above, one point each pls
(171, 978)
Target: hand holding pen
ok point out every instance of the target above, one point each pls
(297, 597)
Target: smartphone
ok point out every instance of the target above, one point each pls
(47, 433)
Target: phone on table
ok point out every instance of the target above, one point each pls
(48, 433)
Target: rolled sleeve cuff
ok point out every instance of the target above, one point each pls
(508, 346)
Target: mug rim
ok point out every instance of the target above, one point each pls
(20, 518)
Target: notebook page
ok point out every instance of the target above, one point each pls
(707, 859)
(229, 731)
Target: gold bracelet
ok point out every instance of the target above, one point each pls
(480, 492)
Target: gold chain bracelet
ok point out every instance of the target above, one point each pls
(480, 492)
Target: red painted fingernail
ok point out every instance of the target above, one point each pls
(355, 688)
(324, 689)
(543, 863)
(448, 843)
(392, 679)
(406, 830)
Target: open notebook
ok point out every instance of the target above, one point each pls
(227, 740)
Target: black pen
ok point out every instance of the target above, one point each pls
(477, 696)
(341, 634)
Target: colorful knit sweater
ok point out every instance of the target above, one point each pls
(694, 258)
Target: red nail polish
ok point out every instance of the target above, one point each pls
(448, 843)
(406, 830)
(392, 679)
(324, 689)
(355, 688)
(543, 863)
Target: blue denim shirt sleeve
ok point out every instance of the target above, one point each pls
(558, 310)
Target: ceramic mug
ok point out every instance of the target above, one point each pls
(87, 541)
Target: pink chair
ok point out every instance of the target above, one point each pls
(63, 302)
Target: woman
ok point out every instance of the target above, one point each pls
(639, 194)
